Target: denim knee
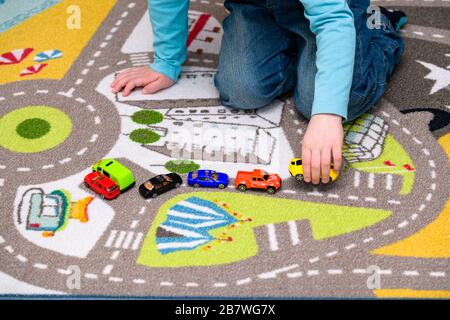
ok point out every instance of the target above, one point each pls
(304, 98)
(242, 92)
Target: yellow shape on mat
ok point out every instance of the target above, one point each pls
(409, 293)
(80, 209)
(430, 242)
(48, 30)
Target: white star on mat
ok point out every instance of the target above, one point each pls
(440, 75)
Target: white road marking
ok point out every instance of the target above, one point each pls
(367, 240)
(48, 166)
(79, 81)
(21, 258)
(16, 94)
(335, 271)
(139, 281)
(294, 233)
(23, 169)
(107, 269)
(94, 138)
(115, 255)
(81, 152)
(273, 274)
(311, 273)
(437, 274)
(120, 239)
(115, 279)
(388, 232)
(410, 273)
(357, 178)
(137, 241)
(166, 284)
(97, 120)
(90, 276)
(42, 91)
(65, 160)
(128, 240)
(97, 54)
(40, 266)
(111, 238)
(350, 246)
(333, 195)
(134, 224)
(273, 243)
(220, 285)
(191, 284)
(403, 224)
(243, 281)
(314, 260)
(90, 63)
(294, 274)
(330, 254)
(371, 181)
(389, 180)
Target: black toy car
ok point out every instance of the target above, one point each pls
(160, 184)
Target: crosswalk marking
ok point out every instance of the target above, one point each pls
(389, 182)
(294, 233)
(111, 237)
(357, 179)
(371, 181)
(124, 239)
(128, 239)
(272, 237)
(137, 241)
(120, 239)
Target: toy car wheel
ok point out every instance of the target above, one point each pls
(271, 190)
(177, 185)
(196, 185)
(86, 185)
(299, 177)
(242, 187)
(221, 186)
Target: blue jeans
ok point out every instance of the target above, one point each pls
(268, 50)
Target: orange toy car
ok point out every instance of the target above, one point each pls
(257, 179)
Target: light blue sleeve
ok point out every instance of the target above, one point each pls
(169, 19)
(332, 23)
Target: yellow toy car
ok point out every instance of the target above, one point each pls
(296, 170)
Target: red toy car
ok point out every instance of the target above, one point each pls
(257, 179)
(102, 185)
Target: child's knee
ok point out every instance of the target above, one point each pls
(241, 92)
(304, 102)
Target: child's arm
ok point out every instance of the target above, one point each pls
(332, 23)
(169, 20)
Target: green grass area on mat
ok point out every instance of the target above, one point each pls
(144, 136)
(147, 117)
(181, 166)
(34, 129)
(326, 221)
(393, 151)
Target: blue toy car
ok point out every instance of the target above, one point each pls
(208, 178)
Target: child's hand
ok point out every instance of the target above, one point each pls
(151, 80)
(322, 141)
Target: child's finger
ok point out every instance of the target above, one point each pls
(306, 163)
(129, 87)
(121, 83)
(337, 158)
(315, 166)
(325, 165)
(153, 87)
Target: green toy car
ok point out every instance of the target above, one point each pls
(117, 172)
